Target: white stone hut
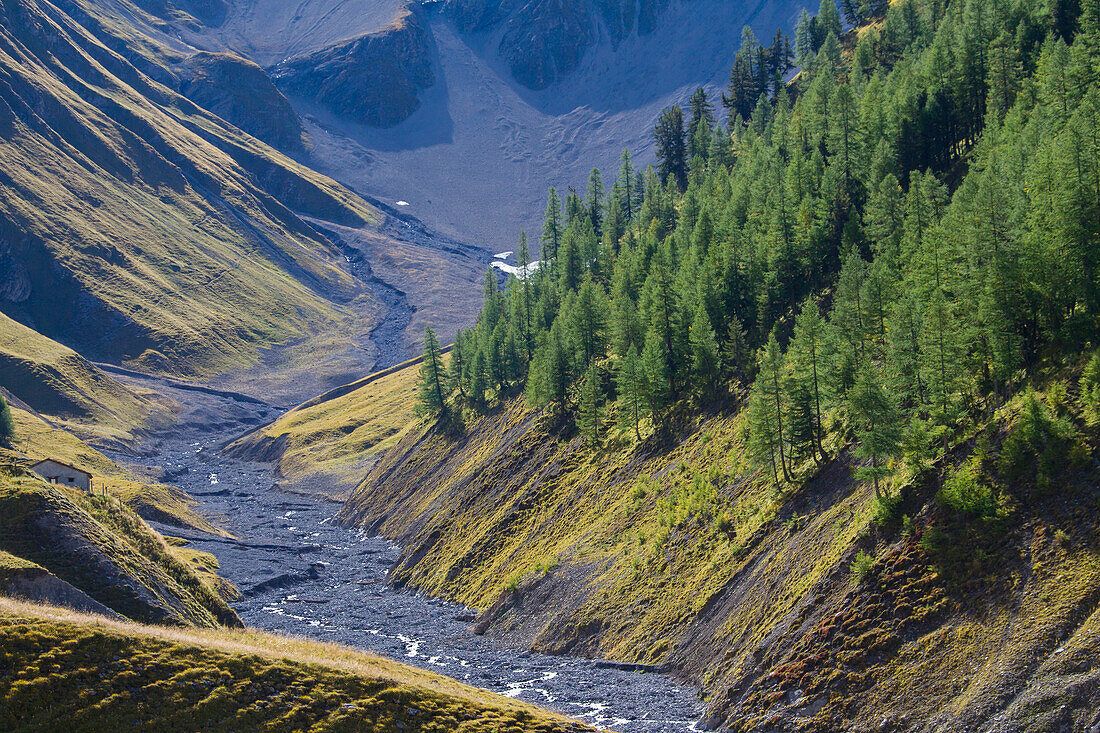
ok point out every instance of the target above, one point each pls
(66, 474)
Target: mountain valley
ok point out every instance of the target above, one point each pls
(550, 365)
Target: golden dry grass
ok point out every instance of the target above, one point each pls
(37, 439)
(336, 679)
(335, 442)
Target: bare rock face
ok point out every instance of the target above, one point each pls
(373, 79)
(544, 41)
(241, 92)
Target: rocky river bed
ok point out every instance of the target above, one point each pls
(301, 573)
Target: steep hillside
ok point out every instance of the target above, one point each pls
(812, 417)
(678, 553)
(56, 381)
(374, 79)
(62, 670)
(140, 228)
(328, 443)
(241, 92)
(36, 438)
(506, 97)
(100, 547)
(543, 42)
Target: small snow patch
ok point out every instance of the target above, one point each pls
(517, 271)
(503, 255)
(402, 203)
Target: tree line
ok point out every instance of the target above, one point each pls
(879, 247)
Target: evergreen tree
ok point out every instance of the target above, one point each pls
(704, 354)
(458, 372)
(806, 377)
(595, 200)
(764, 444)
(625, 186)
(551, 227)
(735, 351)
(479, 377)
(591, 402)
(1004, 77)
(770, 386)
(431, 392)
(671, 148)
(805, 40)
(630, 384)
(525, 275)
(828, 19)
(551, 371)
(658, 374)
(7, 424)
(661, 306)
(586, 321)
(878, 426)
(701, 124)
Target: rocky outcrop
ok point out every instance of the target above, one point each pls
(118, 561)
(241, 92)
(211, 13)
(374, 79)
(41, 586)
(544, 41)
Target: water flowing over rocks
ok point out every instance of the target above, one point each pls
(302, 574)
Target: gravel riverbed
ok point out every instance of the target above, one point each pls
(301, 573)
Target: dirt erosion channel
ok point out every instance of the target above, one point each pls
(301, 573)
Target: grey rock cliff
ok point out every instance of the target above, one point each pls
(373, 79)
(543, 41)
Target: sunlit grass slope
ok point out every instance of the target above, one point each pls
(102, 548)
(678, 552)
(56, 381)
(333, 440)
(61, 671)
(139, 227)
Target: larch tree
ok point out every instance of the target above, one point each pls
(630, 384)
(671, 146)
(551, 226)
(878, 426)
(431, 388)
(591, 404)
(7, 424)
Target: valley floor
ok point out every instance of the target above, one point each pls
(300, 573)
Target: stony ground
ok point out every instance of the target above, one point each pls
(300, 573)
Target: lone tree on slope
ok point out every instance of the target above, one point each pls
(431, 395)
(7, 425)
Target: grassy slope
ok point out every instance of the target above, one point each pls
(334, 442)
(142, 228)
(61, 671)
(37, 439)
(56, 381)
(679, 554)
(13, 566)
(102, 548)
